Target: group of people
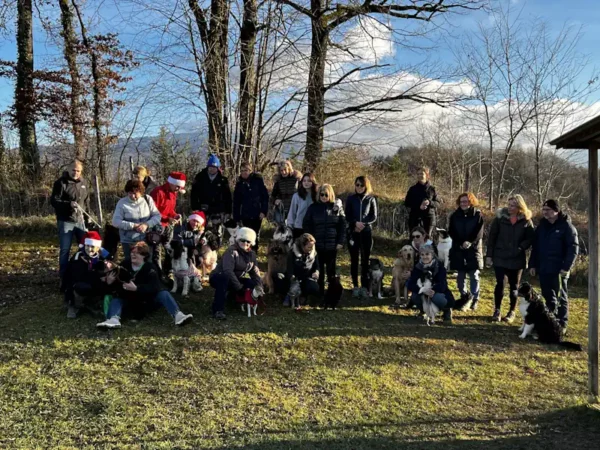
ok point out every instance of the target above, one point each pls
(321, 224)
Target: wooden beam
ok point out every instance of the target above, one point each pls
(594, 265)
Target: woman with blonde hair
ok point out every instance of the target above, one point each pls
(326, 222)
(285, 186)
(143, 174)
(511, 234)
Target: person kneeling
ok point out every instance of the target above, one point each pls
(82, 277)
(303, 265)
(440, 295)
(138, 286)
(237, 271)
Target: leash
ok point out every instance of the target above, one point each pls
(79, 208)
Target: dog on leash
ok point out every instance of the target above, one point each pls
(277, 254)
(294, 292)
(251, 298)
(375, 277)
(285, 235)
(429, 308)
(403, 264)
(184, 269)
(443, 246)
(334, 293)
(537, 317)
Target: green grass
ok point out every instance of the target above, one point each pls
(362, 377)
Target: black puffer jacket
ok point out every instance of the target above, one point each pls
(555, 246)
(300, 264)
(236, 264)
(215, 194)
(83, 269)
(507, 243)
(466, 226)
(250, 198)
(326, 222)
(415, 196)
(285, 188)
(67, 190)
(361, 208)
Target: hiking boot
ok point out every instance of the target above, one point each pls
(113, 322)
(355, 292)
(182, 319)
(510, 317)
(475, 304)
(447, 316)
(220, 315)
(72, 312)
(497, 317)
(286, 301)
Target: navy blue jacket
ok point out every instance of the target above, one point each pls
(440, 280)
(250, 198)
(555, 246)
(325, 221)
(361, 208)
(415, 196)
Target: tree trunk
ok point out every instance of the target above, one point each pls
(25, 94)
(70, 52)
(247, 104)
(538, 176)
(491, 197)
(316, 93)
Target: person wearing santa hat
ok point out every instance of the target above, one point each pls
(82, 276)
(194, 235)
(236, 272)
(165, 199)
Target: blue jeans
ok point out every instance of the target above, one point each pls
(474, 282)
(66, 231)
(162, 298)
(220, 282)
(438, 300)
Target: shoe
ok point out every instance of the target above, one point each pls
(510, 317)
(363, 292)
(355, 292)
(113, 322)
(220, 315)
(447, 318)
(475, 304)
(286, 301)
(182, 319)
(72, 312)
(497, 317)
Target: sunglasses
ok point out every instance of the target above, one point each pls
(359, 185)
(416, 236)
(324, 194)
(245, 241)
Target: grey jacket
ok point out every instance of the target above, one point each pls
(129, 213)
(236, 264)
(298, 210)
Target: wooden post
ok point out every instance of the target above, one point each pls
(98, 200)
(594, 265)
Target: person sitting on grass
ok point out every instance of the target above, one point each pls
(303, 264)
(440, 295)
(195, 236)
(82, 276)
(137, 288)
(236, 271)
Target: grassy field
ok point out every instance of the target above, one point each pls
(362, 377)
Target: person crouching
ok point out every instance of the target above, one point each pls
(236, 272)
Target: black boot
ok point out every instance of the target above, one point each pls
(448, 316)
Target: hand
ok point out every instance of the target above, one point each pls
(142, 227)
(532, 272)
(315, 276)
(564, 273)
(488, 261)
(196, 253)
(360, 226)
(130, 286)
(466, 245)
(109, 265)
(424, 204)
(281, 276)
(277, 202)
(261, 216)
(110, 278)
(74, 205)
(430, 292)
(339, 247)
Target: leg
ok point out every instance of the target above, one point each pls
(417, 301)
(439, 300)
(366, 245)
(475, 284)
(354, 255)
(460, 282)
(514, 277)
(65, 237)
(186, 286)
(527, 329)
(165, 299)
(331, 269)
(174, 289)
(115, 308)
(499, 289)
(428, 224)
(550, 286)
(126, 250)
(321, 255)
(220, 282)
(563, 301)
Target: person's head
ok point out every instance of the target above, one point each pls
(139, 252)
(418, 236)
(426, 253)
(245, 238)
(176, 182)
(197, 220)
(517, 205)
(362, 185)
(466, 200)
(308, 184)
(286, 168)
(307, 243)
(245, 170)
(92, 243)
(76, 169)
(135, 189)
(140, 173)
(550, 210)
(423, 174)
(326, 194)
(213, 164)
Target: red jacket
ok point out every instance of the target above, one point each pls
(165, 202)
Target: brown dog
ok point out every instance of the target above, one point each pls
(404, 263)
(277, 254)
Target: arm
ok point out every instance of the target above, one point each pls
(195, 200)
(440, 283)
(528, 237)
(155, 216)
(56, 200)
(308, 222)
(350, 213)
(151, 284)
(477, 234)
(227, 201)
(228, 267)
(291, 218)
(571, 247)
(255, 273)
(276, 193)
(492, 238)
(372, 216)
(434, 201)
(237, 201)
(341, 230)
(408, 200)
(533, 258)
(264, 198)
(118, 220)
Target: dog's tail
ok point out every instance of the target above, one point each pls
(571, 346)
(464, 302)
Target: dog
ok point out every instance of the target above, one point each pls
(375, 277)
(277, 254)
(294, 292)
(429, 308)
(232, 228)
(207, 246)
(251, 299)
(404, 263)
(183, 269)
(285, 235)
(215, 225)
(537, 317)
(444, 245)
(334, 293)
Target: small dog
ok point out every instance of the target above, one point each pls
(444, 245)
(404, 263)
(285, 235)
(537, 317)
(430, 309)
(375, 277)
(232, 228)
(207, 246)
(184, 269)
(251, 299)
(215, 225)
(294, 292)
(277, 254)
(333, 294)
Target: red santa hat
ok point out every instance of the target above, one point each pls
(198, 216)
(92, 238)
(177, 178)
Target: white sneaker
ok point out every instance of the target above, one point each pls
(113, 322)
(182, 319)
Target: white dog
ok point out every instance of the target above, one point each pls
(430, 309)
(444, 245)
(257, 293)
(184, 270)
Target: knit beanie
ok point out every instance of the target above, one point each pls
(552, 204)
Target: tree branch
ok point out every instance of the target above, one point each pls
(366, 105)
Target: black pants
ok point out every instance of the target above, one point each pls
(554, 291)
(297, 232)
(362, 244)
(427, 222)
(254, 224)
(326, 258)
(514, 277)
